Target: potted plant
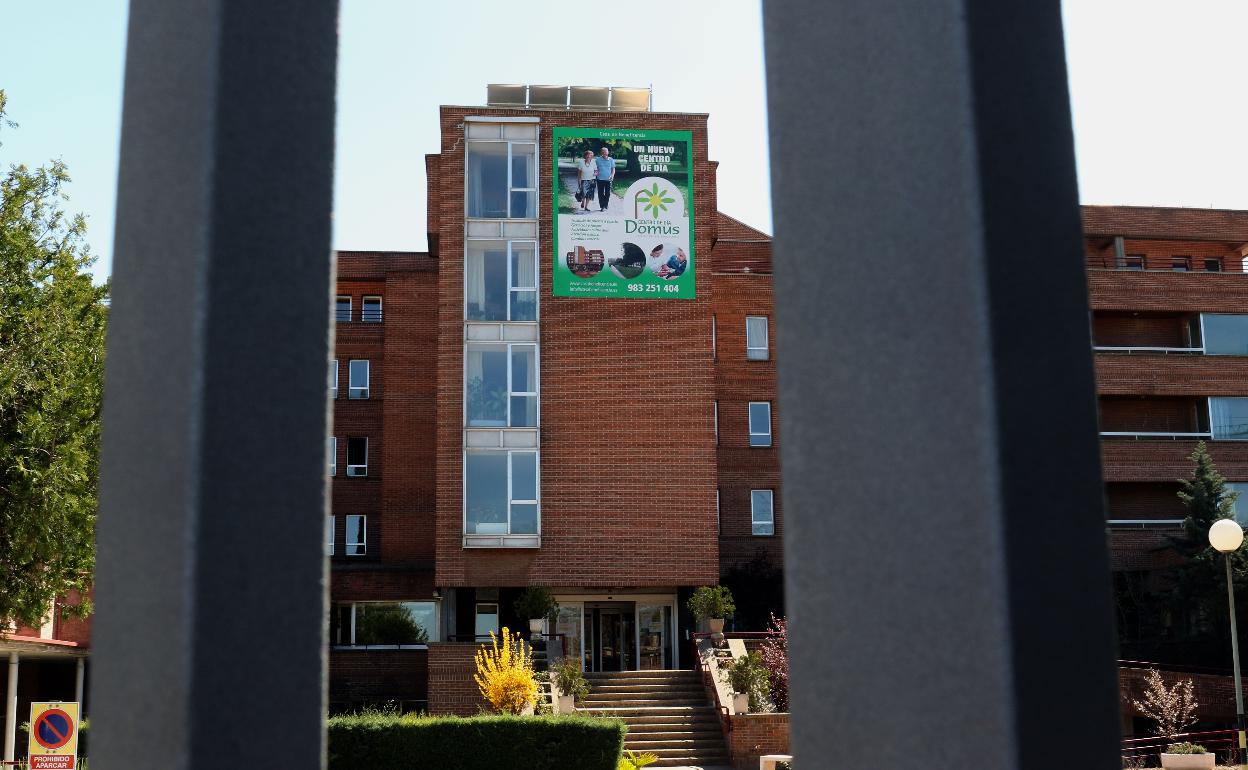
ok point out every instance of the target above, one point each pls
(535, 605)
(712, 604)
(748, 679)
(1187, 756)
(569, 684)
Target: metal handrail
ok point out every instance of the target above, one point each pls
(1144, 349)
(724, 713)
(1144, 434)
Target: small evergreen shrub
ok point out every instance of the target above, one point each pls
(1186, 748)
(380, 741)
(711, 602)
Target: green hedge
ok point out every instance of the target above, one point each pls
(379, 741)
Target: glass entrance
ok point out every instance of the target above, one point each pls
(617, 635)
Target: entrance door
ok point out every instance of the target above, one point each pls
(616, 633)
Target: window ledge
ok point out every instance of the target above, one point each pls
(502, 541)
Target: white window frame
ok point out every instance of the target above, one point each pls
(765, 347)
(719, 525)
(364, 317)
(511, 290)
(498, 618)
(356, 474)
(360, 545)
(755, 521)
(350, 630)
(535, 393)
(508, 539)
(714, 346)
(333, 378)
(331, 527)
(333, 456)
(355, 391)
(749, 425)
(537, 166)
(715, 417)
(350, 308)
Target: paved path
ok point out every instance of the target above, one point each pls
(614, 208)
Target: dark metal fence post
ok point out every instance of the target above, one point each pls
(209, 635)
(947, 569)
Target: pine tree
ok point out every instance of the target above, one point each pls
(52, 320)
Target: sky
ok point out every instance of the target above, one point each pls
(1156, 92)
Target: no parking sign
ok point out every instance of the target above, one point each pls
(53, 741)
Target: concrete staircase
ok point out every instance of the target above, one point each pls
(667, 713)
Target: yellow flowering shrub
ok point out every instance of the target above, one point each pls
(505, 673)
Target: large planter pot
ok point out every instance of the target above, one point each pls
(535, 626)
(716, 625)
(1188, 761)
(565, 704)
(528, 710)
(740, 702)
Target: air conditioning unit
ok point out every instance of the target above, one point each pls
(357, 470)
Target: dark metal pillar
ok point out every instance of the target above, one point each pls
(947, 570)
(210, 632)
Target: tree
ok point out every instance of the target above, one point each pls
(52, 321)
(1173, 708)
(775, 655)
(505, 674)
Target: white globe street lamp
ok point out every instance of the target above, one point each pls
(1227, 536)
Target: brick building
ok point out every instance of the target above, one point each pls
(1169, 324)
(620, 451)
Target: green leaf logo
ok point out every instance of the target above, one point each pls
(654, 200)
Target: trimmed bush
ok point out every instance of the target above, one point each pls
(382, 741)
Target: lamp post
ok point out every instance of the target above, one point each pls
(1226, 536)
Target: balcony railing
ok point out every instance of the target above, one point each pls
(1147, 349)
(1141, 435)
(1143, 523)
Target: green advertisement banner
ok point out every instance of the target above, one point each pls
(623, 207)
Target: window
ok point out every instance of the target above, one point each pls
(1228, 418)
(1134, 262)
(500, 385)
(370, 310)
(357, 456)
(1239, 507)
(500, 493)
(762, 513)
(718, 526)
(342, 310)
(756, 338)
(500, 281)
(1180, 264)
(357, 536)
(333, 455)
(383, 624)
(330, 525)
(502, 180)
(715, 417)
(487, 620)
(760, 423)
(714, 347)
(1213, 265)
(1224, 334)
(357, 379)
(333, 378)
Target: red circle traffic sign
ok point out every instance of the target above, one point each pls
(52, 729)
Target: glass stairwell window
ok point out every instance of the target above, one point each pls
(500, 281)
(500, 493)
(1228, 419)
(501, 180)
(1224, 334)
(500, 385)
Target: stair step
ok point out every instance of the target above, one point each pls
(704, 761)
(668, 728)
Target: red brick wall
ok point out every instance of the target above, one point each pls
(1215, 695)
(1168, 460)
(755, 735)
(738, 381)
(451, 687)
(1118, 330)
(1150, 414)
(357, 677)
(1167, 291)
(647, 493)
(1142, 549)
(1119, 374)
(1147, 500)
